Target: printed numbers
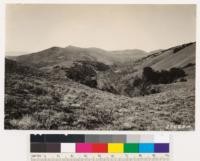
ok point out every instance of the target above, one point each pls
(178, 127)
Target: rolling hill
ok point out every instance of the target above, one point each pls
(66, 56)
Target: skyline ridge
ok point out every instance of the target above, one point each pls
(7, 53)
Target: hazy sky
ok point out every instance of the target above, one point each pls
(30, 28)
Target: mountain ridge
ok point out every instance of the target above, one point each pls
(73, 53)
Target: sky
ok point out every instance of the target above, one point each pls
(35, 27)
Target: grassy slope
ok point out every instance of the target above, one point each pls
(168, 59)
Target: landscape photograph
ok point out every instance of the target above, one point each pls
(100, 67)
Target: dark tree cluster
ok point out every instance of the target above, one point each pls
(146, 84)
(97, 65)
(85, 72)
(82, 73)
(163, 76)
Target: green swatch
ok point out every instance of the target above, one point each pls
(131, 148)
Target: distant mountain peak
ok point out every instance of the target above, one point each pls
(72, 46)
(55, 48)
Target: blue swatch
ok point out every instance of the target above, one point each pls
(146, 148)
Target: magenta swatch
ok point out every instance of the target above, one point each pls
(83, 148)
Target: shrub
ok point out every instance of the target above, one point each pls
(183, 80)
(146, 84)
(83, 73)
(189, 65)
(13, 107)
(165, 77)
(137, 81)
(26, 122)
(39, 90)
(177, 73)
(56, 96)
(149, 75)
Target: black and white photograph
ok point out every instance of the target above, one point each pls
(127, 67)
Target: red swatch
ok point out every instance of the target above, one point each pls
(99, 148)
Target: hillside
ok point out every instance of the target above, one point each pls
(178, 56)
(121, 78)
(66, 56)
(51, 99)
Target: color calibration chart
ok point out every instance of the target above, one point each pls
(77, 147)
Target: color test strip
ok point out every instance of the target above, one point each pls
(115, 148)
(105, 139)
(78, 138)
(91, 148)
(68, 147)
(48, 147)
(133, 138)
(38, 148)
(146, 148)
(37, 138)
(53, 147)
(77, 143)
(100, 148)
(84, 148)
(146, 139)
(131, 148)
(161, 148)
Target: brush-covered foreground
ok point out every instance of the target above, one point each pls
(41, 103)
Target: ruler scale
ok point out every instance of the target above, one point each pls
(95, 158)
(53, 147)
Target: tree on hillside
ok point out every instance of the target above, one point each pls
(149, 75)
(83, 73)
(163, 76)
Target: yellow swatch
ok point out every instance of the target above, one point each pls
(115, 148)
